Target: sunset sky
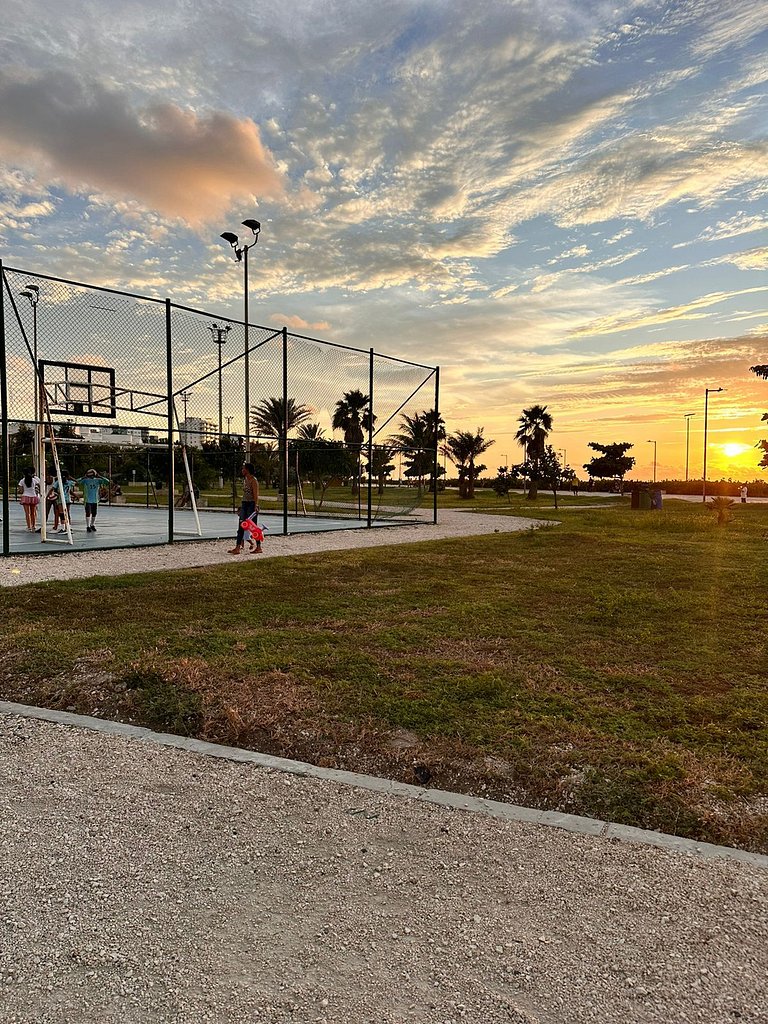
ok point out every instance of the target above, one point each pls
(559, 201)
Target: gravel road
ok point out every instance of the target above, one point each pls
(143, 884)
(17, 570)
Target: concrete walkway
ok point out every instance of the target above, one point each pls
(140, 883)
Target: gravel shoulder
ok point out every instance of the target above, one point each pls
(24, 569)
(146, 884)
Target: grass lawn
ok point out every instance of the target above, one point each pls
(614, 665)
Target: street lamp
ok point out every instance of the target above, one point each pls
(219, 335)
(32, 292)
(240, 250)
(654, 458)
(687, 417)
(707, 393)
(185, 397)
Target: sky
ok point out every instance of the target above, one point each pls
(561, 202)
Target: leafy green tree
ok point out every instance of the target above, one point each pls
(534, 427)
(311, 432)
(612, 463)
(550, 473)
(380, 466)
(463, 449)
(323, 461)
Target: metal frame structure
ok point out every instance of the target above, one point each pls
(286, 355)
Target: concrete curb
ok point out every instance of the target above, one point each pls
(457, 801)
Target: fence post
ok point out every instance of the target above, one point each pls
(171, 425)
(370, 439)
(5, 475)
(284, 454)
(436, 465)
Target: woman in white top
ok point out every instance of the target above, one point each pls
(29, 488)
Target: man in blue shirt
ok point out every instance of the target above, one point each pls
(91, 484)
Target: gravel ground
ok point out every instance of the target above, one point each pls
(17, 570)
(145, 884)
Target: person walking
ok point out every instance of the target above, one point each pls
(92, 484)
(249, 505)
(29, 489)
(743, 492)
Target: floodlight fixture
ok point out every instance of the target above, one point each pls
(240, 250)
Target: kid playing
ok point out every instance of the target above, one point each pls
(91, 484)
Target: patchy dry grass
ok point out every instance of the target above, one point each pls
(614, 666)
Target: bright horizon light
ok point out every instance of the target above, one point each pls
(734, 449)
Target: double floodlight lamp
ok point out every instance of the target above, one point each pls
(234, 241)
(31, 292)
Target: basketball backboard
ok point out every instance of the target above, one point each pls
(78, 389)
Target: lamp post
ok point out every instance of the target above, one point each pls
(654, 458)
(241, 255)
(32, 292)
(687, 417)
(185, 397)
(219, 335)
(707, 393)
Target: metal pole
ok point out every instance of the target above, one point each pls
(169, 385)
(4, 474)
(437, 421)
(247, 357)
(369, 521)
(704, 474)
(285, 431)
(687, 444)
(34, 354)
(221, 408)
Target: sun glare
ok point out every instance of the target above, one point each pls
(733, 449)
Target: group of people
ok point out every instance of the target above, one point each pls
(59, 498)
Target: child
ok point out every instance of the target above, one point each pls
(92, 484)
(29, 487)
(63, 502)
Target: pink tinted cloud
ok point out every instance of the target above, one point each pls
(177, 162)
(296, 323)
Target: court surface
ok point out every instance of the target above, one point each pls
(120, 526)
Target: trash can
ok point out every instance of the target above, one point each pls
(634, 498)
(656, 500)
(645, 498)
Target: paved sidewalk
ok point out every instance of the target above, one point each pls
(145, 884)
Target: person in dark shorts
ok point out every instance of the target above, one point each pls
(91, 484)
(249, 505)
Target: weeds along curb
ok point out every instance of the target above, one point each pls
(457, 801)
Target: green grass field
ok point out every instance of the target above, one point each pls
(614, 665)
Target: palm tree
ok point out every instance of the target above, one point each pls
(311, 432)
(416, 440)
(353, 416)
(267, 417)
(463, 448)
(535, 425)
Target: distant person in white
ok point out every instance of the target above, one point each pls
(743, 493)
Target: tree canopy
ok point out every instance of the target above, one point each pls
(612, 463)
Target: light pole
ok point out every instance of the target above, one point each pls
(219, 335)
(241, 255)
(687, 417)
(707, 393)
(185, 397)
(229, 423)
(654, 458)
(32, 292)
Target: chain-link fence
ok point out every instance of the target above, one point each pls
(164, 404)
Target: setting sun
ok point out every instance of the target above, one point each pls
(734, 449)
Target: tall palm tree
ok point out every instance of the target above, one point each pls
(463, 448)
(534, 427)
(267, 416)
(416, 441)
(353, 416)
(311, 432)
